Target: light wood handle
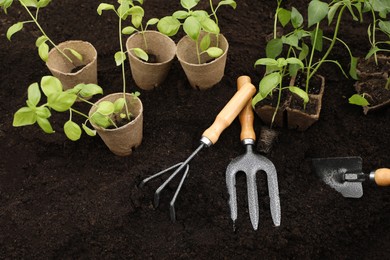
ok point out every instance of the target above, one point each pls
(382, 177)
(229, 112)
(246, 115)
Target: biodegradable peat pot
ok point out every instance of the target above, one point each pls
(209, 72)
(368, 68)
(375, 92)
(149, 75)
(300, 119)
(122, 140)
(62, 68)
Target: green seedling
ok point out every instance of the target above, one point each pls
(41, 42)
(136, 12)
(125, 9)
(276, 71)
(194, 22)
(358, 100)
(308, 45)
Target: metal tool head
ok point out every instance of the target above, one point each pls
(251, 163)
(333, 171)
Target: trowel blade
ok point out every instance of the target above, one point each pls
(332, 170)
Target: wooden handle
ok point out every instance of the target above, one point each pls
(382, 177)
(246, 115)
(229, 112)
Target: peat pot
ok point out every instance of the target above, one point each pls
(148, 75)
(70, 74)
(301, 119)
(210, 71)
(370, 69)
(267, 111)
(122, 140)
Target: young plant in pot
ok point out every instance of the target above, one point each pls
(203, 50)
(72, 62)
(109, 113)
(373, 85)
(150, 52)
(121, 129)
(313, 49)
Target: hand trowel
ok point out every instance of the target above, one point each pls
(345, 175)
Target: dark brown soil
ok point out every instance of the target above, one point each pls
(76, 200)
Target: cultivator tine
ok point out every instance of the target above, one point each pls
(172, 203)
(253, 201)
(231, 186)
(144, 181)
(273, 193)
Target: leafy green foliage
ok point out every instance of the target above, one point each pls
(58, 100)
(194, 23)
(359, 100)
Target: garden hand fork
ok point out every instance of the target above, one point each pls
(251, 163)
(209, 137)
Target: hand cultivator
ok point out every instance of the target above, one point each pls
(251, 163)
(209, 137)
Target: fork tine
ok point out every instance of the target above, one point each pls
(253, 202)
(231, 187)
(172, 203)
(273, 192)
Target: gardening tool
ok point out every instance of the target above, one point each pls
(209, 137)
(344, 174)
(251, 163)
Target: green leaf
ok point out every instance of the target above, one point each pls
(384, 26)
(192, 27)
(5, 4)
(43, 112)
(274, 48)
(45, 125)
(266, 62)
(119, 58)
(372, 51)
(291, 40)
(88, 130)
(168, 25)
(284, 16)
(100, 120)
(128, 30)
(209, 25)
(24, 116)
(123, 9)
(359, 100)
(152, 21)
(295, 61)
(180, 14)
(304, 52)
(141, 54)
(50, 85)
(269, 83)
(332, 11)
(137, 13)
(41, 40)
(105, 108)
(118, 105)
(293, 69)
(14, 29)
(205, 42)
(72, 130)
(61, 101)
(317, 11)
(34, 94)
(352, 69)
(43, 3)
(232, 3)
(200, 14)
(301, 93)
(75, 53)
(214, 52)
(88, 90)
(104, 7)
(29, 3)
(296, 18)
(188, 4)
(43, 51)
(256, 99)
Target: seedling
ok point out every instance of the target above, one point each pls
(126, 8)
(194, 23)
(136, 12)
(276, 71)
(41, 42)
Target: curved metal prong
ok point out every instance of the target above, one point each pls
(253, 201)
(231, 187)
(158, 174)
(172, 203)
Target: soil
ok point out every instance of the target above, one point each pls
(75, 69)
(62, 199)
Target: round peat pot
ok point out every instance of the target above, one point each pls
(70, 74)
(209, 72)
(150, 74)
(122, 140)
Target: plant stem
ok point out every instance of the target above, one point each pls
(77, 112)
(214, 12)
(197, 50)
(35, 19)
(123, 68)
(144, 37)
